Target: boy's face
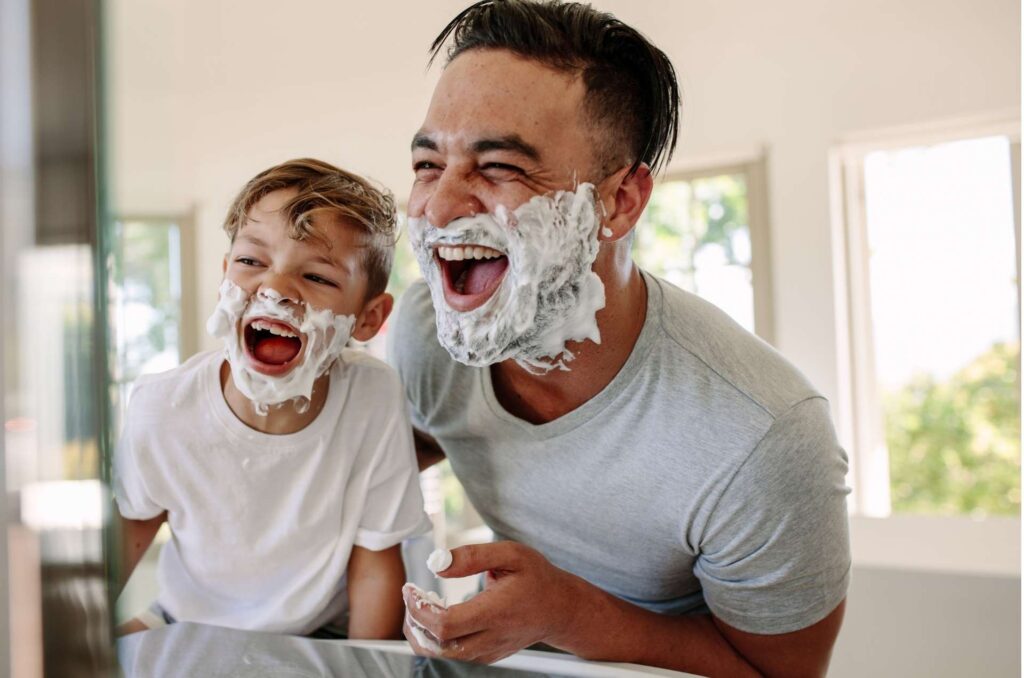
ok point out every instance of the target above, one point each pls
(325, 276)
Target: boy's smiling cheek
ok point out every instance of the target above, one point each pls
(301, 271)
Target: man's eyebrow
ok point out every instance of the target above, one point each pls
(509, 142)
(423, 141)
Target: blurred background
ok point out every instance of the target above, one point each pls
(847, 186)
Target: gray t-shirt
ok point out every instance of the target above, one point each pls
(706, 473)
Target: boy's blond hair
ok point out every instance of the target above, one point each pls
(324, 189)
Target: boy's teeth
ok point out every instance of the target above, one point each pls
(460, 252)
(273, 329)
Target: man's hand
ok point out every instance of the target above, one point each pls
(525, 600)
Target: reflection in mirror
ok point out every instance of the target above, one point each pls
(55, 597)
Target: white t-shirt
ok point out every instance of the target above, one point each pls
(263, 525)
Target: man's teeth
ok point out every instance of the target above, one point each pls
(279, 330)
(460, 252)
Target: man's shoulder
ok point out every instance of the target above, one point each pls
(412, 337)
(414, 315)
(729, 353)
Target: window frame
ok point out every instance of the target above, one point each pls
(752, 164)
(878, 537)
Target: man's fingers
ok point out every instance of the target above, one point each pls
(485, 647)
(419, 640)
(500, 556)
(451, 623)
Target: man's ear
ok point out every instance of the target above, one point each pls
(372, 317)
(624, 197)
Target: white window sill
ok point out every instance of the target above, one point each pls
(958, 545)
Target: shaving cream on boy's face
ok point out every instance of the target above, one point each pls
(275, 355)
(534, 267)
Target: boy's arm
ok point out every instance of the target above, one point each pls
(136, 536)
(375, 579)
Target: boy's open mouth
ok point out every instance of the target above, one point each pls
(470, 274)
(273, 347)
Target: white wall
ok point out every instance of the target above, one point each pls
(202, 95)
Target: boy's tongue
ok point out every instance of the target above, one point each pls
(276, 350)
(479, 275)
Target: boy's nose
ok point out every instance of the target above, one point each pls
(278, 289)
(272, 295)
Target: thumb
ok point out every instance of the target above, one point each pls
(500, 556)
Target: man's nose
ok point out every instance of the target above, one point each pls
(453, 197)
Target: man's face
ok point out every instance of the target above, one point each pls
(303, 274)
(504, 238)
(500, 129)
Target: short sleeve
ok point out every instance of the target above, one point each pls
(393, 510)
(775, 552)
(134, 501)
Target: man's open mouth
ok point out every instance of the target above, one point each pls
(273, 347)
(470, 273)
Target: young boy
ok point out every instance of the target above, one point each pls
(283, 463)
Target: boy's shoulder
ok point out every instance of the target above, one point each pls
(368, 374)
(180, 384)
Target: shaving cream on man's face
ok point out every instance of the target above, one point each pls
(534, 266)
(275, 355)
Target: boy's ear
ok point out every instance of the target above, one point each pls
(372, 317)
(624, 197)
(224, 267)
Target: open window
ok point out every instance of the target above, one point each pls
(927, 245)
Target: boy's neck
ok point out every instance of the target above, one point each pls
(281, 419)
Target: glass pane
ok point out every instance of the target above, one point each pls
(145, 301)
(945, 318)
(696, 235)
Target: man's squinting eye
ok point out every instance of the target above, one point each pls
(501, 170)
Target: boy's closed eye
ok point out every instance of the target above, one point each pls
(248, 261)
(320, 280)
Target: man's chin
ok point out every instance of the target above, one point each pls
(463, 303)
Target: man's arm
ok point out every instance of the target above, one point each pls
(527, 600)
(428, 450)
(375, 581)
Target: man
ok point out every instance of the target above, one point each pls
(666, 489)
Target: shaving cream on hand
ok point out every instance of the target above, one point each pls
(439, 561)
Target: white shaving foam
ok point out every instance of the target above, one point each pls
(325, 335)
(420, 634)
(439, 560)
(426, 597)
(423, 637)
(550, 294)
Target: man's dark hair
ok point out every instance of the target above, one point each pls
(630, 84)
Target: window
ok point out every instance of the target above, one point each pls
(148, 301)
(930, 308)
(705, 232)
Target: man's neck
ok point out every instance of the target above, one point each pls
(539, 399)
(280, 419)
